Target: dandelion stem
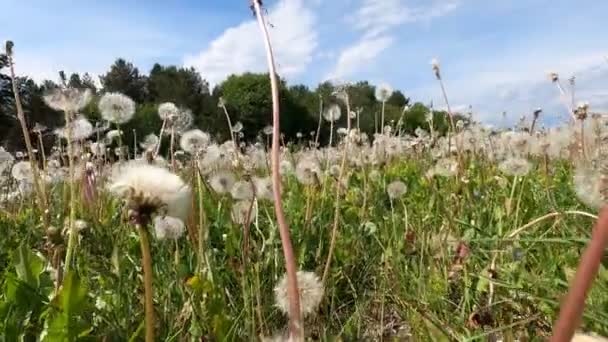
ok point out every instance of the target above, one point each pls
(296, 329)
(337, 203)
(574, 303)
(41, 194)
(72, 215)
(146, 260)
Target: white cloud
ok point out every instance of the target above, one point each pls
(240, 49)
(375, 19)
(361, 53)
(522, 86)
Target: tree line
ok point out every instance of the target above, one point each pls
(246, 98)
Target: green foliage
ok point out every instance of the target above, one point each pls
(124, 77)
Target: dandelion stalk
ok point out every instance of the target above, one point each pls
(320, 121)
(41, 194)
(296, 329)
(72, 217)
(337, 203)
(146, 260)
(160, 139)
(574, 303)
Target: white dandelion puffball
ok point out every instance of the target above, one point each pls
(194, 141)
(69, 100)
(285, 167)
(515, 167)
(81, 129)
(383, 92)
(6, 160)
(435, 64)
(222, 182)
(150, 142)
(168, 228)
(168, 110)
(263, 188)
(113, 135)
(332, 113)
(307, 172)
(446, 167)
(242, 190)
(152, 183)
(116, 108)
(237, 127)
(268, 130)
(181, 122)
(243, 212)
(22, 171)
(590, 187)
(396, 189)
(309, 288)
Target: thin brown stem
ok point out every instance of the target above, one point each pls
(296, 329)
(334, 230)
(26, 136)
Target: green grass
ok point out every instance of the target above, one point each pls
(392, 281)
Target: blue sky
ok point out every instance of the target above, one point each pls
(494, 54)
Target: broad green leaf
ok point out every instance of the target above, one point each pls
(28, 265)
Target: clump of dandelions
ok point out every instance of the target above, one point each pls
(310, 289)
(515, 167)
(396, 189)
(116, 108)
(168, 228)
(151, 190)
(194, 141)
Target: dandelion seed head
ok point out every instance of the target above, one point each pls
(263, 188)
(81, 129)
(515, 166)
(168, 228)
(383, 92)
(242, 190)
(70, 100)
(332, 113)
(116, 107)
(268, 130)
(307, 172)
(167, 111)
(396, 189)
(149, 142)
(590, 186)
(6, 160)
(22, 171)
(194, 141)
(242, 212)
(310, 290)
(222, 182)
(151, 188)
(238, 127)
